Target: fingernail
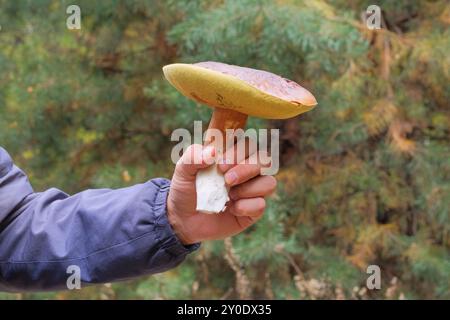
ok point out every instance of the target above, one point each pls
(232, 194)
(230, 177)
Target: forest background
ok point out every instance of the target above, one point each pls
(364, 179)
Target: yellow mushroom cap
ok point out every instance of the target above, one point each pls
(253, 92)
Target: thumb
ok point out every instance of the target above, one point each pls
(195, 158)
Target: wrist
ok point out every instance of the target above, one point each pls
(178, 228)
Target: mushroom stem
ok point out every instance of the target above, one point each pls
(212, 193)
(223, 119)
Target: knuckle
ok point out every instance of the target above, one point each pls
(240, 208)
(262, 205)
(271, 184)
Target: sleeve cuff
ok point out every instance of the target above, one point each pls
(170, 242)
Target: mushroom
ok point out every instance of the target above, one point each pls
(234, 93)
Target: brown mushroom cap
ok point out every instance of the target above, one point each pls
(249, 91)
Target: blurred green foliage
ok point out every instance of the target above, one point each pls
(365, 177)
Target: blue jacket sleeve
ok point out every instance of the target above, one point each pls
(107, 235)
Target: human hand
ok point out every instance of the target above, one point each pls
(248, 190)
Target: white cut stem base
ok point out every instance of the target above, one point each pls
(212, 193)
